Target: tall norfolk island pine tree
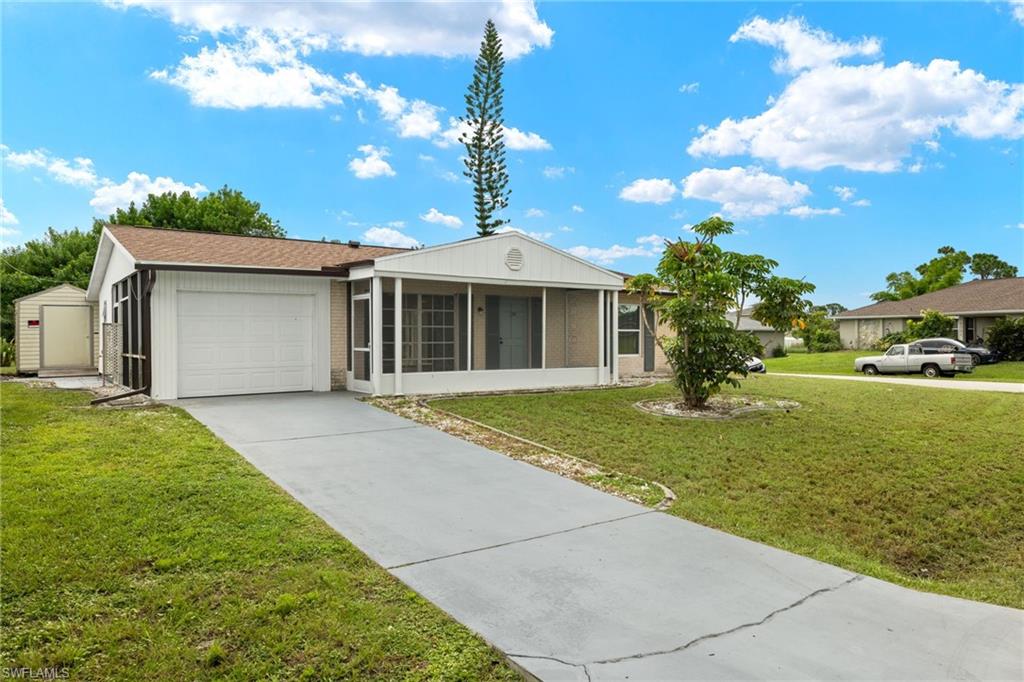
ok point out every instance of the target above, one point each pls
(485, 138)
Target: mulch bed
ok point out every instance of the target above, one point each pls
(718, 407)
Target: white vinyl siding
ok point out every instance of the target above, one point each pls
(27, 339)
(165, 319)
(234, 343)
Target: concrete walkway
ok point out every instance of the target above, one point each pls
(963, 385)
(574, 584)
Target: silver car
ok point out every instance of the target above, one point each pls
(910, 358)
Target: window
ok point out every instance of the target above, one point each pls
(428, 333)
(629, 329)
(895, 350)
(915, 350)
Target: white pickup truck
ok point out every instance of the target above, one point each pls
(909, 358)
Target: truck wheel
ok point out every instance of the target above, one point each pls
(975, 359)
(931, 371)
(870, 370)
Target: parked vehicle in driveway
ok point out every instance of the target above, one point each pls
(980, 355)
(910, 358)
(755, 365)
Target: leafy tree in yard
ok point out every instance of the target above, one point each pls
(485, 137)
(707, 350)
(226, 210)
(990, 266)
(945, 270)
(39, 264)
(819, 333)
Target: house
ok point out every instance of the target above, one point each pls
(196, 314)
(976, 305)
(770, 338)
(55, 332)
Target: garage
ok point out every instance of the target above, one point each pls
(237, 343)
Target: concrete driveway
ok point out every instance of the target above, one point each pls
(956, 385)
(572, 583)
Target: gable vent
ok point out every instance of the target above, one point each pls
(514, 259)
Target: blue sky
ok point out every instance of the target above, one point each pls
(844, 140)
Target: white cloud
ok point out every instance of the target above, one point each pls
(803, 46)
(417, 118)
(515, 139)
(426, 158)
(862, 202)
(931, 145)
(136, 187)
(539, 236)
(576, 208)
(388, 236)
(1017, 7)
(558, 172)
(372, 165)
(915, 167)
(645, 247)
(844, 193)
(438, 218)
(804, 212)
(565, 228)
(406, 28)
(7, 219)
(865, 117)
(449, 176)
(259, 70)
(744, 192)
(649, 191)
(534, 213)
(689, 88)
(78, 172)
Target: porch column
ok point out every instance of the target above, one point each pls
(398, 336)
(376, 334)
(614, 355)
(544, 328)
(469, 326)
(600, 337)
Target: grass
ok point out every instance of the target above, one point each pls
(138, 546)
(913, 485)
(841, 362)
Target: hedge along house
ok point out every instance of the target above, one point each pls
(975, 305)
(200, 314)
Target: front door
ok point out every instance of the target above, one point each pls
(513, 327)
(66, 336)
(894, 360)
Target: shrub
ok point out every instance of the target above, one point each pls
(818, 332)
(6, 353)
(779, 352)
(891, 339)
(932, 323)
(1006, 337)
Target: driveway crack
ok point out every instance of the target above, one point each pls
(738, 628)
(586, 671)
(520, 540)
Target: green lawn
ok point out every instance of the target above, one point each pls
(138, 546)
(914, 485)
(841, 362)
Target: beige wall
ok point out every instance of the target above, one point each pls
(633, 365)
(339, 334)
(864, 333)
(27, 340)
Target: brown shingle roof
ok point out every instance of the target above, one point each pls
(154, 245)
(980, 295)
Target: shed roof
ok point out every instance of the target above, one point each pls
(48, 290)
(977, 296)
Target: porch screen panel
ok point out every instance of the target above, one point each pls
(428, 333)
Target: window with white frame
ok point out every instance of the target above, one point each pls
(428, 333)
(629, 329)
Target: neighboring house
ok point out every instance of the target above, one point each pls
(770, 338)
(202, 313)
(976, 305)
(55, 330)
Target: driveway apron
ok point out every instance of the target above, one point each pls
(572, 583)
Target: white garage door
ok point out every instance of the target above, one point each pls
(230, 344)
